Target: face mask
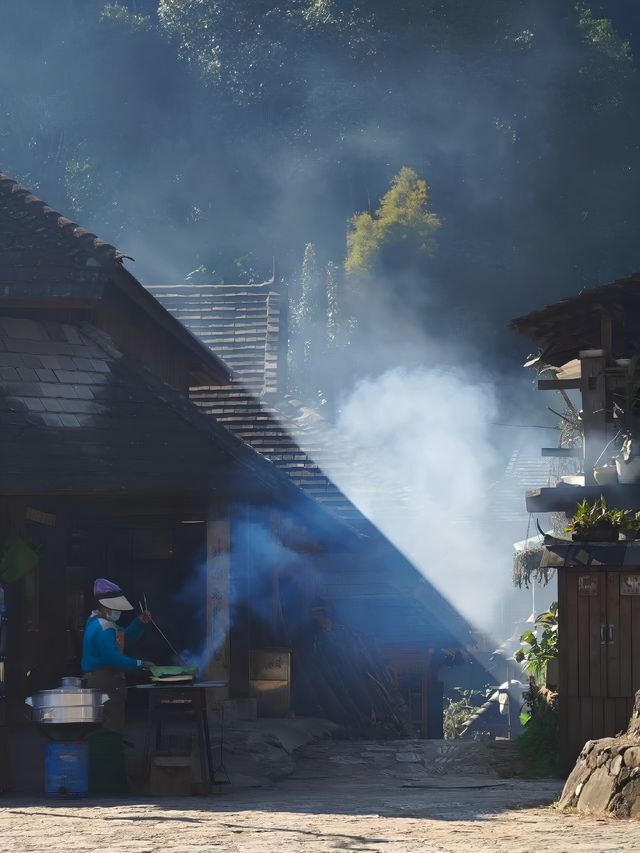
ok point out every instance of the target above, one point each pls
(114, 615)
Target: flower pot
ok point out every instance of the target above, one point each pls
(629, 535)
(628, 472)
(599, 533)
(605, 475)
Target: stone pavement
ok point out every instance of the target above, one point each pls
(386, 797)
(319, 817)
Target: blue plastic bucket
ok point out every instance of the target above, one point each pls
(66, 770)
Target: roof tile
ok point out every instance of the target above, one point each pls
(27, 374)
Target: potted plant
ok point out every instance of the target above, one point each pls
(630, 528)
(628, 460)
(626, 407)
(594, 522)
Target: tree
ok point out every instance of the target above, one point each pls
(399, 236)
(309, 325)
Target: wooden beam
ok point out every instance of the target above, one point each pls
(558, 384)
(218, 589)
(565, 498)
(606, 332)
(594, 414)
(564, 452)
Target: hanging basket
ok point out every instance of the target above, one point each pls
(526, 567)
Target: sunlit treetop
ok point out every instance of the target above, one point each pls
(401, 234)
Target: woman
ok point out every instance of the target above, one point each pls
(103, 659)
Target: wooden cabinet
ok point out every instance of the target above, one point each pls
(599, 653)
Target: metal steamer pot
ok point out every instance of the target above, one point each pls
(69, 703)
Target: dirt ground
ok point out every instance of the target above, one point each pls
(391, 798)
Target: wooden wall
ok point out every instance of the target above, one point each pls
(599, 660)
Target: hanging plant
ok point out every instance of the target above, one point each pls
(527, 568)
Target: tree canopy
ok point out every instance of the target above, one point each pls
(400, 235)
(210, 135)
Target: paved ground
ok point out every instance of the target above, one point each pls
(355, 797)
(319, 817)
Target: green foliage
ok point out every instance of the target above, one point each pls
(194, 26)
(316, 326)
(539, 651)
(459, 705)
(299, 107)
(401, 234)
(601, 34)
(608, 63)
(83, 185)
(118, 13)
(538, 744)
(590, 517)
(335, 325)
(527, 569)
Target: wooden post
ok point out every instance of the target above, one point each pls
(606, 333)
(218, 584)
(424, 704)
(276, 523)
(594, 414)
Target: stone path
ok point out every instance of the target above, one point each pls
(342, 796)
(364, 816)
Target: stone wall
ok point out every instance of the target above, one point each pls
(606, 777)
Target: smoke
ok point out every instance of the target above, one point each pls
(256, 556)
(422, 466)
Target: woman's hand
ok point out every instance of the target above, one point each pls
(145, 617)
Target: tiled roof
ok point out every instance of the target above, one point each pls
(247, 325)
(66, 253)
(240, 323)
(76, 414)
(45, 256)
(269, 429)
(244, 324)
(565, 328)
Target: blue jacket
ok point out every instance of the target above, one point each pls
(100, 645)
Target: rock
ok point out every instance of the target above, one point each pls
(606, 777)
(574, 785)
(597, 792)
(629, 804)
(592, 759)
(616, 765)
(632, 756)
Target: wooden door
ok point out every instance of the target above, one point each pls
(599, 638)
(582, 601)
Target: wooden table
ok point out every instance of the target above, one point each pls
(185, 701)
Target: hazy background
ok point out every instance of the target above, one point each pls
(206, 139)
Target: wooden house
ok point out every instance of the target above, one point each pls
(585, 346)
(107, 468)
(369, 583)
